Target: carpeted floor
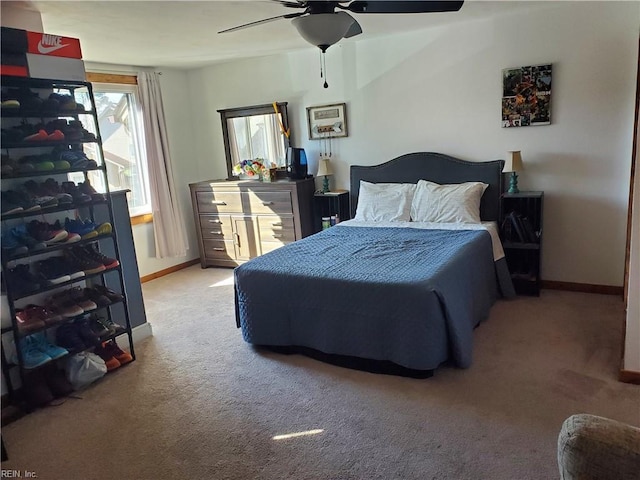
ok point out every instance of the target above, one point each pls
(199, 403)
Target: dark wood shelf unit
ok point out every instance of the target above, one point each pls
(523, 254)
(329, 204)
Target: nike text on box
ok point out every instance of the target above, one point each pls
(56, 68)
(53, 45)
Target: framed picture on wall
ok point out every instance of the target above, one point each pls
(327, 121)
(526, 96)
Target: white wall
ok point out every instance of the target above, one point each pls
(631, 359)
(439, 90)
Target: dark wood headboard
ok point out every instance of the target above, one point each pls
(438, 168)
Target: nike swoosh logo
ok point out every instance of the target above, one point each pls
(44, 50)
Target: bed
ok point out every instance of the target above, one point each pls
(387, 296)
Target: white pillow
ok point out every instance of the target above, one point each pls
(451, 203)
(384, 202)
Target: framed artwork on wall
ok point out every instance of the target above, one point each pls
(526, 96)
(327, 121)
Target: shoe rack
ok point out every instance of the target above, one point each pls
(53, 134)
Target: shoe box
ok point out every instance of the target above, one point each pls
(40, 55)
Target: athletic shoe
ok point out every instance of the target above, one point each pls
(11, 247)
(107, 292)
(110, 361)
(82, 262)
(73, 190)
(68, 336)
(48, 348)
(77, 295)
(86, 187)
(21, 199)
(93, 254)
(51, 270)
(86, 229)
(104, 228)
(40, 136)
(89, 337)
(22, 281)
(110, 325)
(27, 323)
(20, 233)
(120, 355)
(51, 187)
(9, 207)
(98, 328)
(32, 356)
(38, 315)
(63, 305)
(56, 135)
(99, 299)
(49, 234)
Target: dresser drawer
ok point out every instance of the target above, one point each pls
(219, 202)
(216, 226)
(269, 202)
(219, 249)
(275, 228)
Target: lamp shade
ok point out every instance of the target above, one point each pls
(513, 162)
(323, 29)
(324, 168)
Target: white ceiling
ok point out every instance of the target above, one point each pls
(183, 34)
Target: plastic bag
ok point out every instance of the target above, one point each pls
(84, 368)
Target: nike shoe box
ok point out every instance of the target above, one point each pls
(13, 43)
(56, 68)
(53, 45)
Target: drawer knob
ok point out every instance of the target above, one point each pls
(216, 233)
(267, 203)
(218, 249)
(218, 202)
(277, 224)
(277, 235)
(215, 221)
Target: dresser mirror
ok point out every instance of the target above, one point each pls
(256, 131)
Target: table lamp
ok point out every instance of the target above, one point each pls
(513, 165)
(324, 170)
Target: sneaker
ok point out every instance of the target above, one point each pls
(40, 136)
(93, 254)
(110, 325)
(110, 361)
(64, 306)
(88, 189)
(49, 234)
(82, 262)
(67, 267)
(55, 136)
(51, 271)
(27, 323)
(38, 196)
(89, 337)
(11, 247)
(86, 229)
(104, 228)
(98, 328)
(21, 235)
(99, 299)
(32, 356)
(20, 198)
(120, 355)
(51, 187)
(8, 207)
(68, 336)
(78, 296)
(22, 281)
(107, 292)
(73, 190)
(48, 348)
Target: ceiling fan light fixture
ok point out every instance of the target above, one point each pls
(323, 29)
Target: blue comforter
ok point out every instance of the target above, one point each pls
(404, 295)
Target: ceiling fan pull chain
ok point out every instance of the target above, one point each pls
(324, 63)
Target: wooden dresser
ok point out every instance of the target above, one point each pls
(239, 220)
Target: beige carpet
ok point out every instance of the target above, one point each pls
(199, 403)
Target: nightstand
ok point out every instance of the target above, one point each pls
(521, 234)
(331, 204)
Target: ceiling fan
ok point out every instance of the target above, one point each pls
(321, 25)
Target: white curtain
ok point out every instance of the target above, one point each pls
(168, 224)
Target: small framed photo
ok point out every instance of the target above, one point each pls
(327, 121)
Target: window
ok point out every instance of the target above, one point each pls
(120, 125)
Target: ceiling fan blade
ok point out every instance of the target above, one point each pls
(354, 29)
(291, 4)
(260, 22)
(400, 6)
